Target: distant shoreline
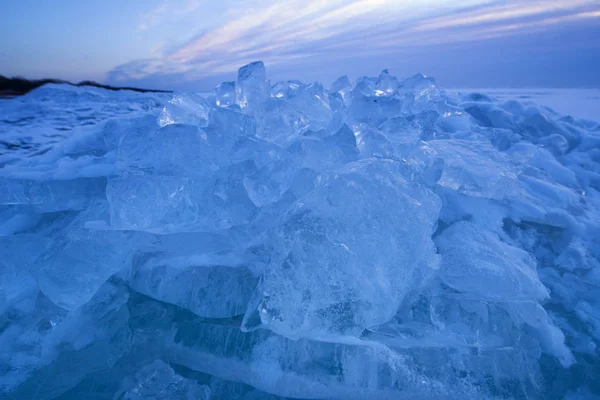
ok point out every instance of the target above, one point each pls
(13, 87)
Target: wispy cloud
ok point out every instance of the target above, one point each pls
(502, 13)
(168, 12)
(282, 32)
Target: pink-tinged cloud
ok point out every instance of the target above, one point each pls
(288, 33)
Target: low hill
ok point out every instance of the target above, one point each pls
(10, 87)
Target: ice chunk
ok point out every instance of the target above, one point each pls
(538, 162)
(338, 108)
(115, 130)
(556, 143)
(550, 337)
(172, 203)
(286, 90)
(226, 127)
(372, 143)
(17, 255)
(473, 260)
(345, 140)
(225, 94)
(474, 337)
(322, 155)
(406, 132)
(386, 84)
(61, 347)
(535, 123)
(281, 122)
(338, 267)
(420, 88)
(488, 263)
(152, 202)
(225, 390)
(252, 148)
(311, 369)
(270, 182)
(342, 85)
(187, 108)
(51, 195)
(173, 150)
(201, 283)
(81, 260)
(158, 381)
(490, 115)
(424, 165)
(252, 87)
(312, 101)
(17, 219)
(293, 110)
(365, 107)
(230, 203)
(483, 172)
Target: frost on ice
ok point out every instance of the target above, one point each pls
(380, 239)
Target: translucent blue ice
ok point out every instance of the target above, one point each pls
(381, 239)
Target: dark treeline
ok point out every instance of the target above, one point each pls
(19, 86)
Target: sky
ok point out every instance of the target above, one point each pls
(195, 44)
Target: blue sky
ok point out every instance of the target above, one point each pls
(194, 44)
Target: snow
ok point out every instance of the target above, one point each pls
(380, 239)
(580, 103)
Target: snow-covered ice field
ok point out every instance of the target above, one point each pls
(378, 239)
(580, 103)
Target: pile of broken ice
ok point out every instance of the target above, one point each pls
(377, 240)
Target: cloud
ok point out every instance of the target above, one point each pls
(285, 33)
(503, 12)
(168, 12)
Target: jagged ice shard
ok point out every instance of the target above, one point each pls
(381, 239)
